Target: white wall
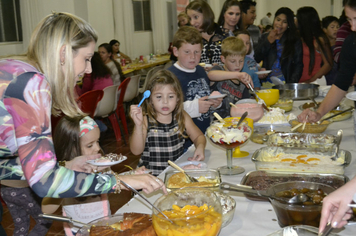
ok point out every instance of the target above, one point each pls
(323, 7)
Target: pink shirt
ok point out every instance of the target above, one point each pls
(97, 84)
(306, 60)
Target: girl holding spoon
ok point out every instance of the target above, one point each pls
(160, 130)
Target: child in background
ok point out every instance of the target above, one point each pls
(183, 19)
(250, 65)
(187, 47)
(229, 78)
(75, 137)
(159, 132)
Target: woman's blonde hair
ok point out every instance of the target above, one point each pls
(51, 34)
(165, 77)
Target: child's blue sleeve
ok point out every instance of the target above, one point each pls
(255, 80)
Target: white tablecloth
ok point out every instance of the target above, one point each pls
(253, 217)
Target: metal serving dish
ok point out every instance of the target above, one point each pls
(209, 174)
(300, 160)
(320, 142)
(297, 91)
(262, 180)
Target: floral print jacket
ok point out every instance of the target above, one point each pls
(26, 146)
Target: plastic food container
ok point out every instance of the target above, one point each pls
(209, 174)
(302, 140)
(262, 180)
(194, 211)
(299, 160)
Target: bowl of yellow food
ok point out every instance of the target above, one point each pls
(270, 96)
(191, 211)
(285, 104)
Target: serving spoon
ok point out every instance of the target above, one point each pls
(261, 101)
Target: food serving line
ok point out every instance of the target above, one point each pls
(252, 217)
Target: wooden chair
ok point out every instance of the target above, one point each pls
(88, 101)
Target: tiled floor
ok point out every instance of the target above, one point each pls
(109, 144)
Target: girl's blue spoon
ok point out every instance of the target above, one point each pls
(146, 94)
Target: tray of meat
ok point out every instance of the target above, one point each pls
(262, 180)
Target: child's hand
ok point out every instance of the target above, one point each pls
(204, 105)
(199, 155)
(136, 115)
(141, 170)
(245, 79)
(216, 102)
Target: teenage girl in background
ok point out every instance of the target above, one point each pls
(78, 136)
(159, 132)
(106, 55)
(317, 56)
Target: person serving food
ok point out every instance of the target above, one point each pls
(42, 83)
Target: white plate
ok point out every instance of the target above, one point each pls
(106, 163)
(217, 96)
(182, 164)
(351, 96)
(262, 72)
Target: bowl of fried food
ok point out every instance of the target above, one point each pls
(310, 127)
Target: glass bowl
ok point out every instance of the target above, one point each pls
(311, 127)
(285, 104)
(270, 96)
(255, 110)
(298, 214)
(228, 205)
(194, 211)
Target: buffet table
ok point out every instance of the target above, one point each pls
(253, 217)
(133, 67)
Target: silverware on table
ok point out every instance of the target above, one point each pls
(258, 98)
(144, 198)
(327, 230)
(62, 218)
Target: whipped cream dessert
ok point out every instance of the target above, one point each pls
(307, 158)
(276, 116)
(228, 132)
(111, 157)
(289, 231)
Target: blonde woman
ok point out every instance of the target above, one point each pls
(38, 85)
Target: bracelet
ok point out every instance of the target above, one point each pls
(117, 186)
(62, 163)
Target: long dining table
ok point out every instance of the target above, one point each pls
(252, 217)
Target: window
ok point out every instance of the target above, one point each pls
(142, 15)
(10, 21)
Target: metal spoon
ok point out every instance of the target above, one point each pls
(144, 198)
(337, 142)
(299, 198)
(146, 94)
(190, 178)
(62, 218)
(261, 101)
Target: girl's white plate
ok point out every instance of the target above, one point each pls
(202, 167)
(351, 96)
(262, 72)
(111, 163)
(217, 96)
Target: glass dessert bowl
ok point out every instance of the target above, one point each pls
(229, 136)
(193, 211)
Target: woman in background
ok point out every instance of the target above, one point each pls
(99, 78)
(106, 55)
(117, 55)
(202, 18)
(229, 18)
(281, 49)
(317, 56)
